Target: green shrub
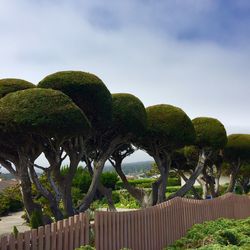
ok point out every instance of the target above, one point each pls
(15, 231)
(10, 200)
(36, 219)
(109, 179)
(228, 237)
(87, 247)
(219, 234)
(126, 200)
(147, 183)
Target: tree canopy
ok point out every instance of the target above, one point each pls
(87, 91)
(238, 147)
(129, 114)
(169, 126)
(210, 133)
(42, 111)
(9, 85)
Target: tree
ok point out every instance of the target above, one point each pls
(104, 114)
(116, 160)
(169, 128)
(210, 137)
(237, 154)
(29, 121)
(129, 121)
(94, 99)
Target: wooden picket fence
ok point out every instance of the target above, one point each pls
(148, 229)
(66, 234)
(159, 226)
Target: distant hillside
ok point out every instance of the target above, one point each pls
(128, 168)
(132, 168)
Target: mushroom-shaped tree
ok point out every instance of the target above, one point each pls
(169, 128)
(30, 120)
(9, 85)
(87, 91)
(93, 97)
(129, 121)
(237, 153)
(210, 137)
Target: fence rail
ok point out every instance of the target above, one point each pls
(148, 229)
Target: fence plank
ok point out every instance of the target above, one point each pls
(4, 242)
(40, 238)
(47, 237)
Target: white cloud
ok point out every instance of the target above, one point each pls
(136, 50)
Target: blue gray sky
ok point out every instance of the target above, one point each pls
(193, 54)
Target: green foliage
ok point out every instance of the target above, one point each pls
(109, 179)
(9, 85)
(10, 200)
(15, 231)
(219, 234)
(87, 91)
(147, 182)
(238, 146)
(126, 200)
(82, 179)
(210, 133)
(169, 126)
(36, 219)
(43, 111)
(129, 114)
(87, 247)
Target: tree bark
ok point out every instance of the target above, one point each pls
(107, 192)
(98, 167)
(138, 194)
(233, 176)
(25, 186)
(196, 195)
(54, 204)
(189, 184)
(163, 163)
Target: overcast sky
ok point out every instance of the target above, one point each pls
(194, 54)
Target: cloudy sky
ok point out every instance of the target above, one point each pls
(193, 54)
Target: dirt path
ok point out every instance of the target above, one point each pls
(8, 222)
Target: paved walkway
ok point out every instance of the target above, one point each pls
(8, 222)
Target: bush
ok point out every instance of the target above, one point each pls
(36, 219)
(109, 179)
(125, 200)
(87, 247)
(10, 200)
(147, 183)
(219, 234)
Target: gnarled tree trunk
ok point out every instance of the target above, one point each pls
(189, 184)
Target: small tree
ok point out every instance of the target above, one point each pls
(169, 128)
(237, 154)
